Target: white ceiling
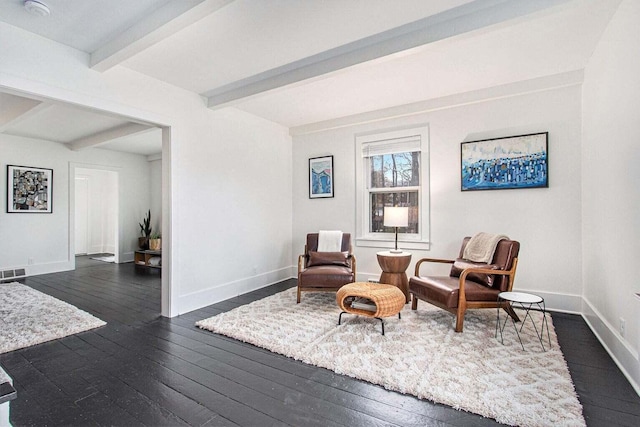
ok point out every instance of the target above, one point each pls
(248, 37)
(298, 62)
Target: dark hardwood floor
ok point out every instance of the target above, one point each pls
(143, 369)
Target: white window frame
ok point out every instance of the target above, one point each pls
(364, 237)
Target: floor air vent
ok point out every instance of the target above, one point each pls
(17, 273)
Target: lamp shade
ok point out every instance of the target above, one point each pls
(396, 216)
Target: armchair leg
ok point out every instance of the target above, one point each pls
(460, 319)
(414, 302)
(298, 302)
(511, 312)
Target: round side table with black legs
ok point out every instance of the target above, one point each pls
(525, 301)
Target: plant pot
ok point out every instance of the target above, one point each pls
(143, 243)
(155, 244)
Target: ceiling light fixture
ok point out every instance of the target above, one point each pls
(36, 7)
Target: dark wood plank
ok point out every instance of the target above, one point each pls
(142, 369)
(327, 404)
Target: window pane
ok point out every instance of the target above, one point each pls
(380, 200)
(395, 170)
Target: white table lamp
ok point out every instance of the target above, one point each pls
(396, 217)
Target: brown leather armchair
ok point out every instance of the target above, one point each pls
(469, 284)
(325, 271)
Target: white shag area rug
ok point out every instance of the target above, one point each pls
(420, 354)
(29, 317)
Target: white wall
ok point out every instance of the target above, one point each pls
(101, 210)
(228, 173)
(155, 191)
(611, 198)
(44, 238)
(546, 221)
(81, 219)
(237, 184)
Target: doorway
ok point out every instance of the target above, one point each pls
(96, 212)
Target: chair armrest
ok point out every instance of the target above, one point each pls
(511, 272)
(437, 260)
(353, 265)
(301, 263)
(467, 271)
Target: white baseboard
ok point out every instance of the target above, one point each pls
(45, 268)
(564, 303)
(95, 249)
(101, 249)
(622, 354)
(221, 292)
(126, 257)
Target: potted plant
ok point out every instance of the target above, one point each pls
(155, 242)
(145, 231)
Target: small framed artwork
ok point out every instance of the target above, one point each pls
(505, 163)
(29, 189)
(321, 177)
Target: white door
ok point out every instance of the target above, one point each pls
(82, 215)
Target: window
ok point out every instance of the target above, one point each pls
(392, 170)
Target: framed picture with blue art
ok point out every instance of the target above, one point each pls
(505, 163)
(321, 177)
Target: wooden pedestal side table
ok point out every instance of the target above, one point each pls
(394, 267)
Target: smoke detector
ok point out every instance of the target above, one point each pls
(36, 7)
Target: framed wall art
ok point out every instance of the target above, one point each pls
(321, 177)
(29, 189)
(505, 163)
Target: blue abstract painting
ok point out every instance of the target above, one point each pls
(504, 163)
(321, 177)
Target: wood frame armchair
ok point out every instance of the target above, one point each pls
(325, 271)
(469, 285)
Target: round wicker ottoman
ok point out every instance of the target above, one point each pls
(388, 300)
